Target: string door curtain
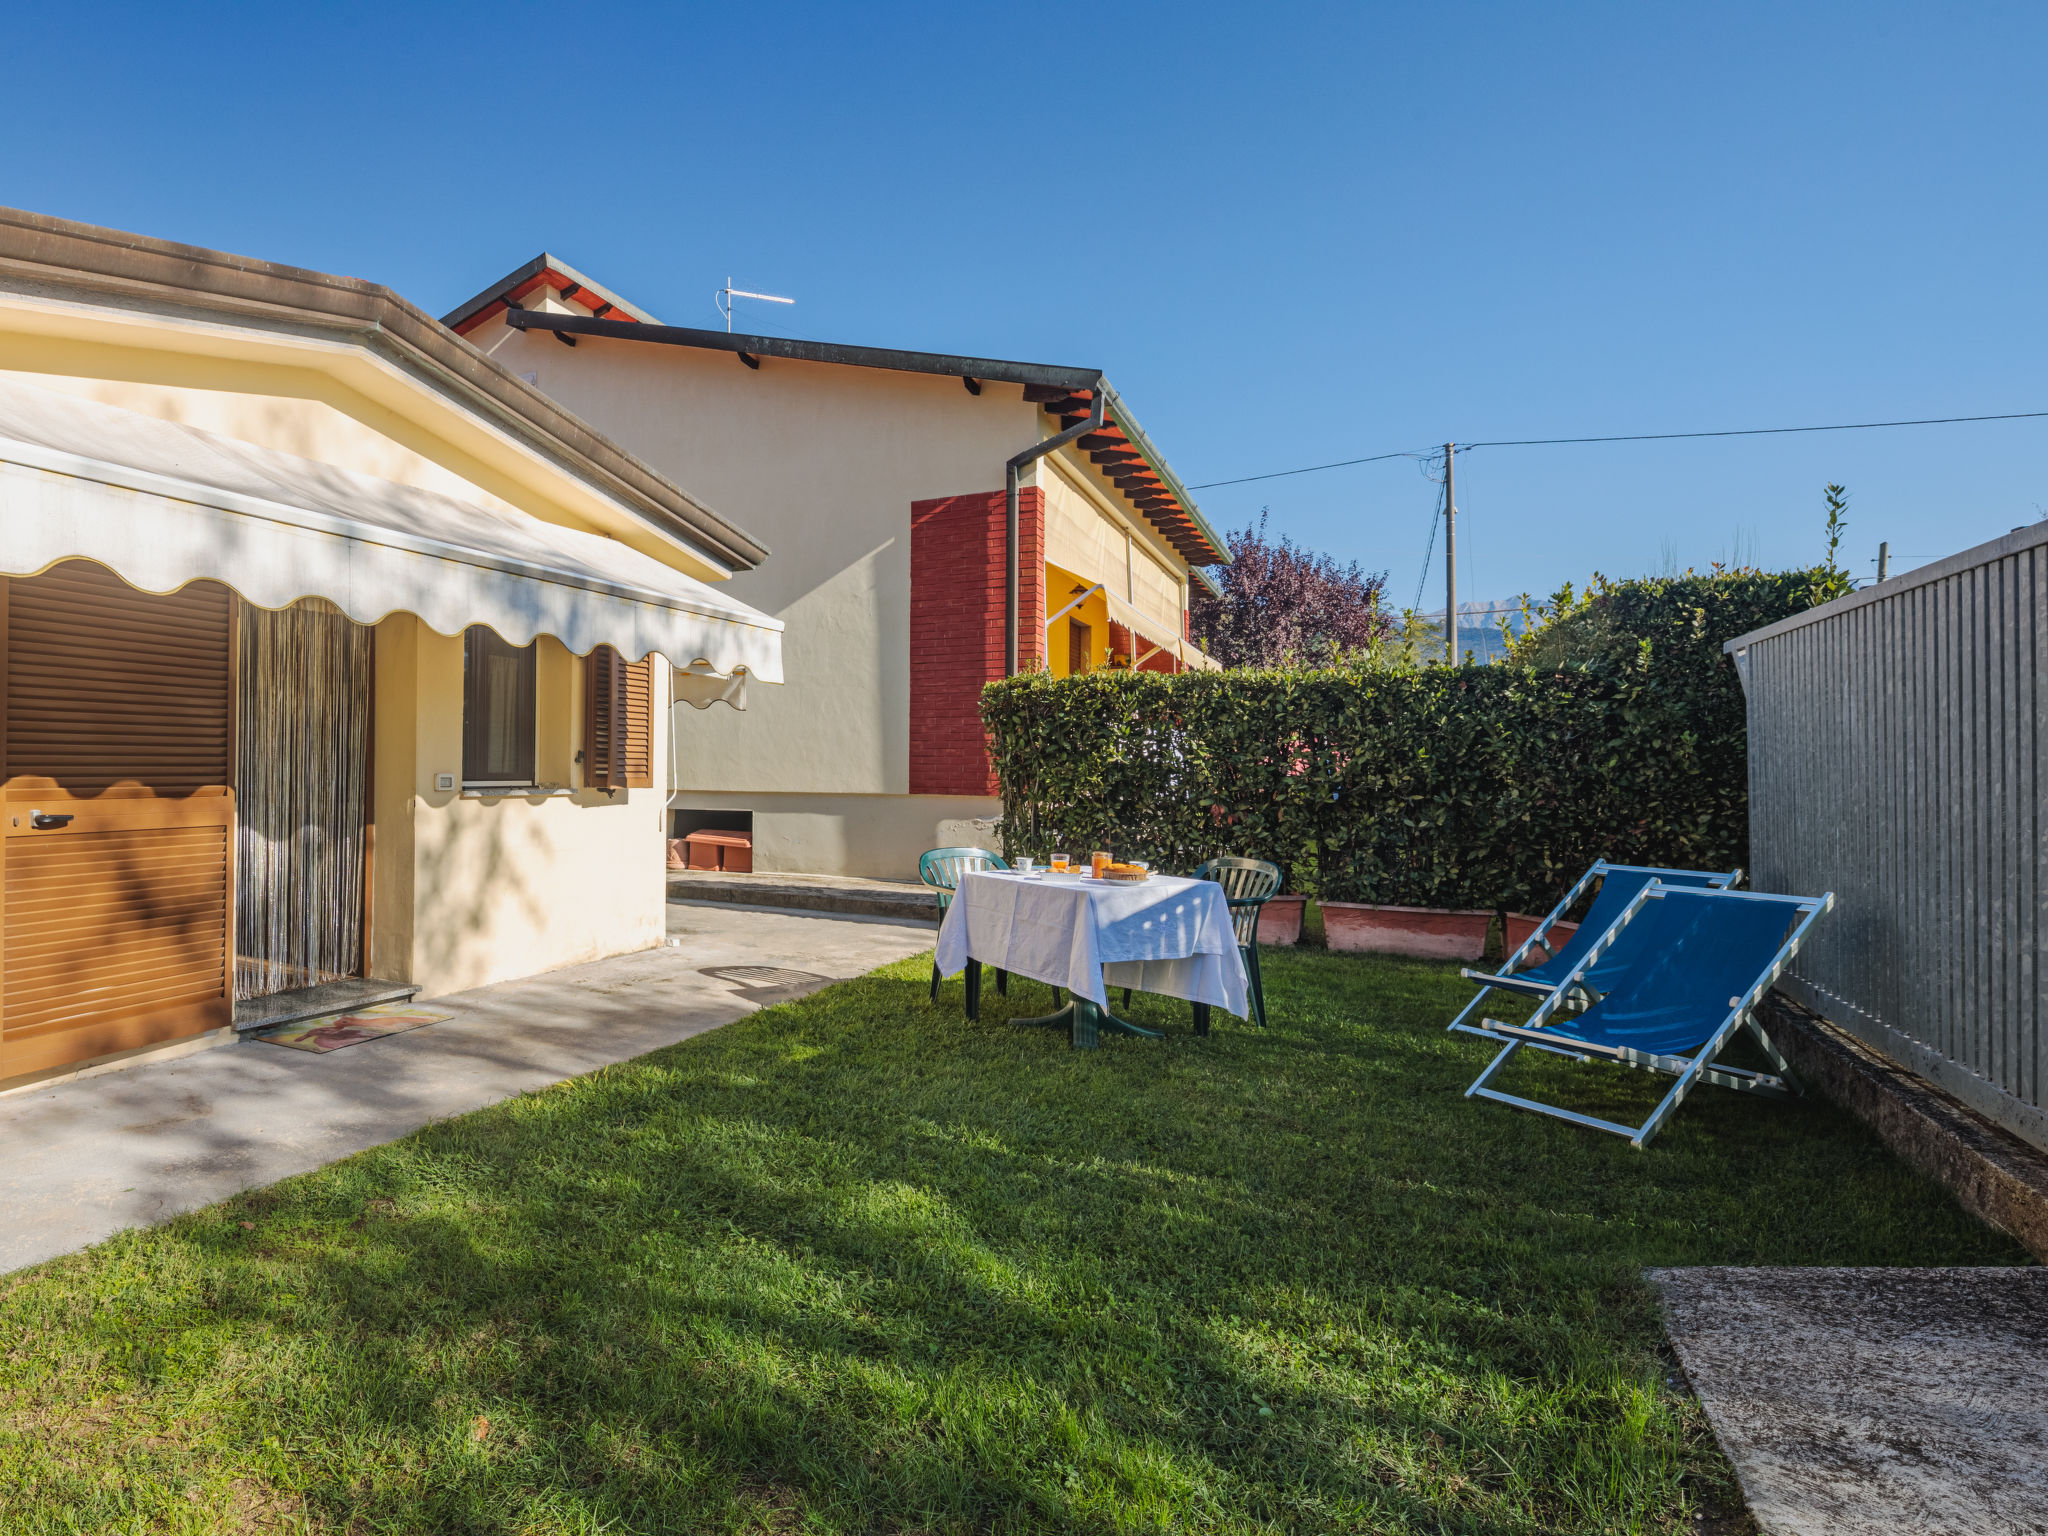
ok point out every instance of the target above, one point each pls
(302, 780)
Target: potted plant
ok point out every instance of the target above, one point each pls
(1436, 933)
(1280, 920)
(1518, 926)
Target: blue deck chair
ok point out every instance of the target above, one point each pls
(1705, 958)
(1537, 965)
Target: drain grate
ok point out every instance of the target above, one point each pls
(755, 976)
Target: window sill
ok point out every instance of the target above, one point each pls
(517, 791)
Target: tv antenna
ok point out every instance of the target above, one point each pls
(724, 297)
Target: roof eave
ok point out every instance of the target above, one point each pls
(1157, 460)
(60, 253)
(519, 277)
(985, 370)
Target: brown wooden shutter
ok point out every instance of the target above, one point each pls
(640, 723)
(605, 708)
(116, 911)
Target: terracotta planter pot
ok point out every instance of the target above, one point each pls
(1519, 927)
(1280, 920)
(1433, 932)
(678, 854)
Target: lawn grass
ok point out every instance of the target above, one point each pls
(856, 1264)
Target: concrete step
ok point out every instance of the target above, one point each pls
(905, 900)
(253, 1013)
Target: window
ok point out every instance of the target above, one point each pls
(1080, 646)
(497, 711)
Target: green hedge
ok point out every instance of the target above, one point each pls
(1473, 786)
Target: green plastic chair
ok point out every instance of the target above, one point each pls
(1248, 884)
(941, 869)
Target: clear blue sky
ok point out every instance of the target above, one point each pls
(1290, 233)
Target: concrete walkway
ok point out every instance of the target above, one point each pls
(83, 1159)
(1873, 1402)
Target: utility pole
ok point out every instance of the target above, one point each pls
(1884, 560)
(1450, 558)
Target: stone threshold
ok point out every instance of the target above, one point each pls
(1994, 1175)
(254, 1013)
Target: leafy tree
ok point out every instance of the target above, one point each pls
(1285, 606)
(1837, 498)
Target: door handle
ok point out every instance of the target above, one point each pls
(42, 821)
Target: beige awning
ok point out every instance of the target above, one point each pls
(163, 504)
(1158, 636)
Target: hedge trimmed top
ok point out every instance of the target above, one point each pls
(1615, 730)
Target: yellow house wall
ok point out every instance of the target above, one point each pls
(469, 889)
(269, 385)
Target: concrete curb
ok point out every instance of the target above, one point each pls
(914, 904)
(1992, 1173)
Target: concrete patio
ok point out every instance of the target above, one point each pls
(83, 1159)
(1869, 1402)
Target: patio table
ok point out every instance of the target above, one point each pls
(1165, 934)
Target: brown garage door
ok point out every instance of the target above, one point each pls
(116, 866)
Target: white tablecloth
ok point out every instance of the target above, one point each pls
(1166, 935)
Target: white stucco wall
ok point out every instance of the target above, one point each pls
(820, 462)
(877, 836)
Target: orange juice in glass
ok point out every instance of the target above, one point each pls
(1096, 860)
(1059, 863)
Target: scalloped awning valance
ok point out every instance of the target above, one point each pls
(164, 504)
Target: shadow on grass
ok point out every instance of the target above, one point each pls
(858, 1264)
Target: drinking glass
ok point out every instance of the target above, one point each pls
(1059, 863)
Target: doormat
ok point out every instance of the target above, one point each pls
(332, 1031)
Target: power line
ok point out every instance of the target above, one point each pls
(1847, 426)
(1429, 549)
(1635, 437)
(1279, 474)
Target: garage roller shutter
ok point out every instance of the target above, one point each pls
(117, 862)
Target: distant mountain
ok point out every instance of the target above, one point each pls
(1479, 627)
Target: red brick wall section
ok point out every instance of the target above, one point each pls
(956, 629)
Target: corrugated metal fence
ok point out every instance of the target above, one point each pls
(1896, 758)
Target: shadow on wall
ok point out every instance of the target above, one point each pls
(481, 889)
